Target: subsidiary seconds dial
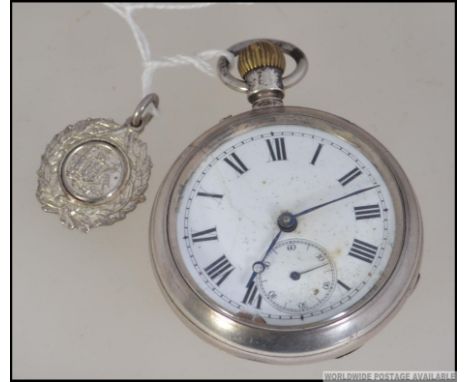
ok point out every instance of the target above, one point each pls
(233, 238)
(298, 276)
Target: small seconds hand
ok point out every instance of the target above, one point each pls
(297, 275)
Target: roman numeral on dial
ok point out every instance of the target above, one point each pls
(367, 212)
(234, 161)
(210, 195)
(252, 297)
(316, 154)
(206, 235)
(278, 149)
(363, 251)
(342, 284)
(219, 270)
(350, 176)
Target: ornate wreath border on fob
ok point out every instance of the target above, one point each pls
(73, 212)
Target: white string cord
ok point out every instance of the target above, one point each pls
(167, 6)
(200, 61)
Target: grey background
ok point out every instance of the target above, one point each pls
(88, 305)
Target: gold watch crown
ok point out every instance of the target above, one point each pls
(260, 54)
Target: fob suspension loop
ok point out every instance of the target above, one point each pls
(140, 117)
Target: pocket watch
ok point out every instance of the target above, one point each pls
(284, 234)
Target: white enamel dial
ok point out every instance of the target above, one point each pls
(285, 223)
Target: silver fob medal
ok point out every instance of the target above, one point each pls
(96, 171)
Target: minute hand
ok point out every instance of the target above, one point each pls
(334, 200)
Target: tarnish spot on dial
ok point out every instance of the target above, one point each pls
(335, 253)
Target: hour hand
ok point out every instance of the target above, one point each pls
(258, 267)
